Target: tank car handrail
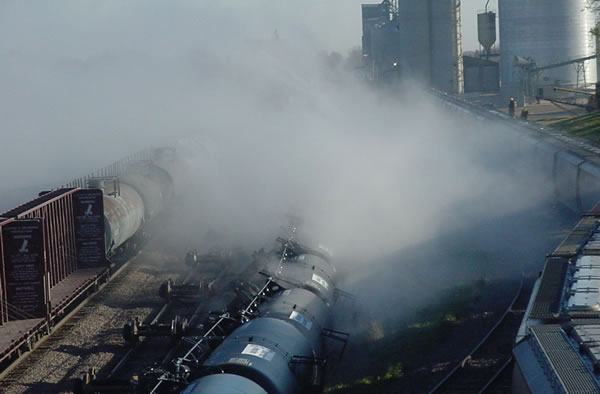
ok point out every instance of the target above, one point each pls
(485, 338)
(226, 316)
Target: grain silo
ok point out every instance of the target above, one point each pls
(446, 45)
(548, 32)
(430, 40)
(415, 43)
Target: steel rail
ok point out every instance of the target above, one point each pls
(485, 338)
(123, 360)
(66, 319)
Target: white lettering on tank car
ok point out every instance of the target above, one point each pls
(320, 281)
(259, 351)
(300, 318)
(239, 360)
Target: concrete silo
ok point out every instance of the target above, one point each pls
(431, 45)
(415, 43)
(446, 46)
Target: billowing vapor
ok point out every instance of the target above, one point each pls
(268, 122)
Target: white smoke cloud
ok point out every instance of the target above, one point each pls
(267, 126)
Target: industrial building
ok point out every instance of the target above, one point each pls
(418, 39)
(537, 34)
(543, 44)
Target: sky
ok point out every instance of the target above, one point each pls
(334, 24)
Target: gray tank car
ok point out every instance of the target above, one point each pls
(141, 192)
(224, 383)
(305, 310)
(264, 351)
(283, 350)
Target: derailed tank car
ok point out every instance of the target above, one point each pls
(272, 337)
(282, 350)
(224, 383)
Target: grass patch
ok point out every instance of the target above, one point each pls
(366, 384)
(413, 339)
(585, 126)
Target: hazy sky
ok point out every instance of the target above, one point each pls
(79, 65)
(333, 24)
(469, 20)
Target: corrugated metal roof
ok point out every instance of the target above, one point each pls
(584, 292)
(589, 334)
(531, 367)
(570, 369)
(593, 245)
(547, 301)
(577, 238)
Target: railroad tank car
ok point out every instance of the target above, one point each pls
(310, 272)
(263, 350)
(282, 350)
(566, 177)
(123, 215)
(153, 184)
(543, 158)
(589, 185)
(305, 310)
(166, 158)
(140, 193)
(224, 383)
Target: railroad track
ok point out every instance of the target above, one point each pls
(138, 356)
(14, 374)
(160, 350)
(487, 367)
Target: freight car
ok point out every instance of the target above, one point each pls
(276, 336)
(70, 235)
(279, 339)
(560, 332)
(564, 166)
(134, 197)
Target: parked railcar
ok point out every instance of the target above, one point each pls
(152, 183)
(135, 196)
(69, 232)
(123, 215)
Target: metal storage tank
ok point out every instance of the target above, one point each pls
(415, 45)
(549, 31)
(486, 29)
(446, 45)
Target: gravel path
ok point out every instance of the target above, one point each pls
(95, 340)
